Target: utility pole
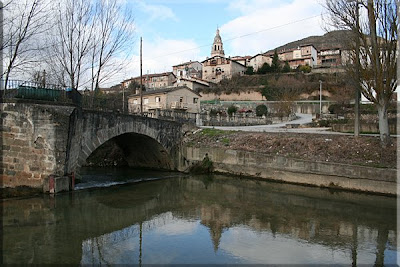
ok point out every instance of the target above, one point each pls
(141, 82)
(123, 99)
(357, 96)
(320, 98)
(1, 46)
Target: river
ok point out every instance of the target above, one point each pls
(125, 216)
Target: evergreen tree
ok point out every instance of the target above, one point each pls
(265, 68)
(275, 66)
(249, 71)
(286, 67)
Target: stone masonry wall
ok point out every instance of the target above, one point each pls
(33, 140)
(324, 174)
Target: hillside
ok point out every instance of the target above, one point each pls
(333, 39)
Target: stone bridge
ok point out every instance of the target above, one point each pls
(41, 141)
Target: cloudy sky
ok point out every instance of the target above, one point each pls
(175, 31)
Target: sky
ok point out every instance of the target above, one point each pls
(176, 31)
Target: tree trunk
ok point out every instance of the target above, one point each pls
(383, 125)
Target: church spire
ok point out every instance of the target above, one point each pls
(217, 47)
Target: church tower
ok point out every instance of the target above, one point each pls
(217, 48)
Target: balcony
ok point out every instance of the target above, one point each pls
(179, 105)
(157, 105)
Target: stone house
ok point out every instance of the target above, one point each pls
(258, 61)
(192, 83)
(330, 57)
(302, 55)
(172, 98)
(217, 68)
(188, 69)
(153, 81)
(242, 60)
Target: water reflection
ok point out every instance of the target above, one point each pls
(201, 219)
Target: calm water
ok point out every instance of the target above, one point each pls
(173, 218)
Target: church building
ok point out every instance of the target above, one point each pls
(218, 67)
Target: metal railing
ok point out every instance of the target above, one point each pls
(18, 89)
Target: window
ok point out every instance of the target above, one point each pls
(145, 101)
(181, 99)
(195, 100)
(135, 101)
(158, 99)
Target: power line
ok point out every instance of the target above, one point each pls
(241, 36)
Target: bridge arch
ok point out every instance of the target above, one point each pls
(144, 138)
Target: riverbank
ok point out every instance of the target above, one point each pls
(340, 162)
(361, 151)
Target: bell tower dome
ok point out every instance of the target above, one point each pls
(217, 47)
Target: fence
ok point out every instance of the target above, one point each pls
(175, 115)
(18, 89)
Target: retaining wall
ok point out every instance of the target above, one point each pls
(324, 174)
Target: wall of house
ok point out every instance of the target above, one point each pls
(228, 69)
(314, 56)
(187, 100)
(258, 61)
(237, 69)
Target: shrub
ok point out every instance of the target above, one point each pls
(249, 71)
(213, 112)
(261, 110)
(232, 109)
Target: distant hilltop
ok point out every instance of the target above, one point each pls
(330, 40)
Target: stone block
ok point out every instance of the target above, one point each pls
(34, 168)
(11, 172)
(15, 148)
(23, 175)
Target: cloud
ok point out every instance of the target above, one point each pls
(157, 12)
(264, 248)
(275, 23)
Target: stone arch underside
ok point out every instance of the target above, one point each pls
(135, 150)
(139, 133)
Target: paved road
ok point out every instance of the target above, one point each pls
(281, 127)
(278, 127)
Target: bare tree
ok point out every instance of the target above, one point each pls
(377, 37)
(113, 36)
(23, 22)
(71, 40)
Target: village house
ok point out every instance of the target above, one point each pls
(258, 61)
(330, 57)
(242, 60)
(172, 98)
(192, 83)
(302, 55)
(218, 68)
(188, 70)
(153, 81)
